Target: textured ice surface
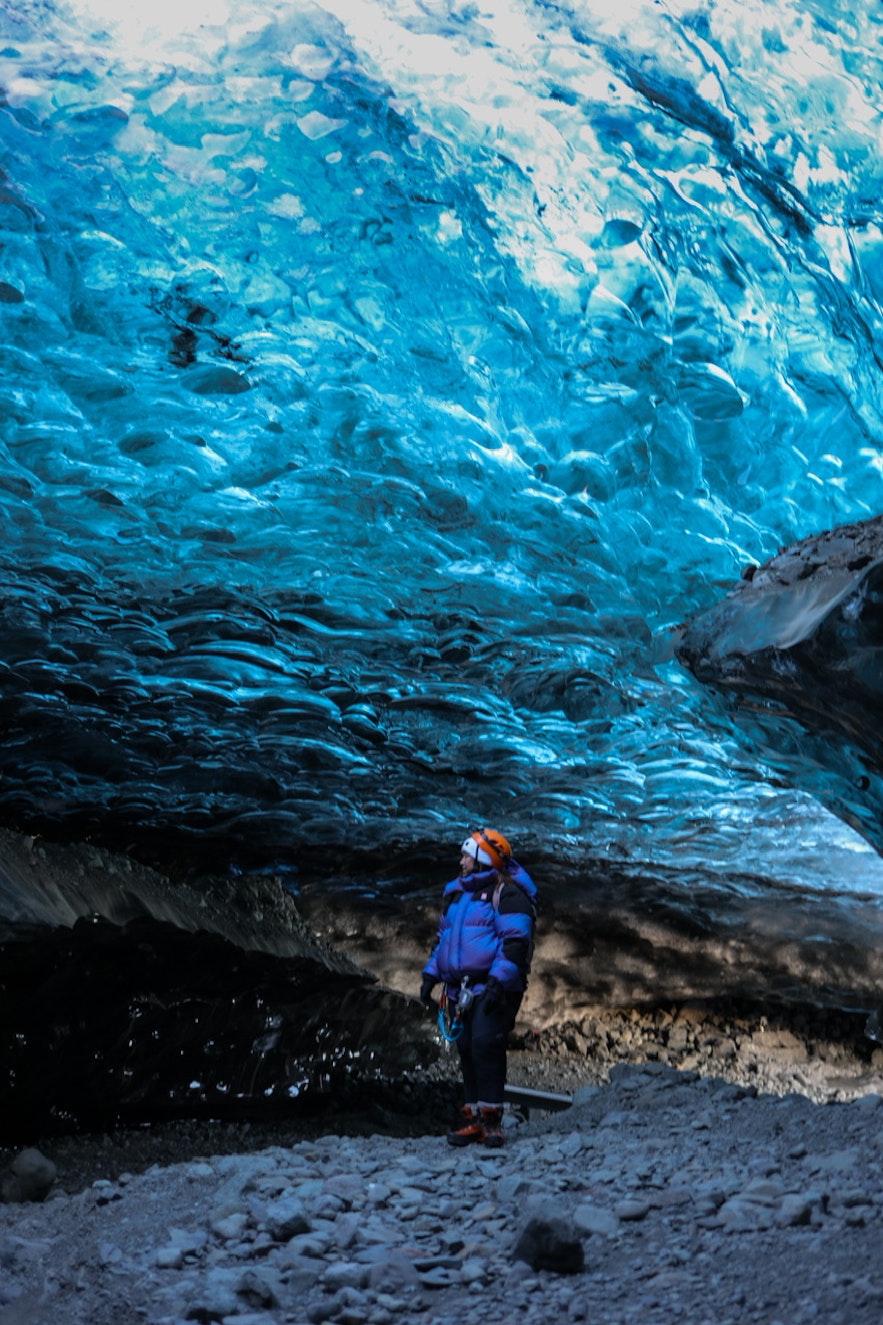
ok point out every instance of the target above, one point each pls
(380, 383)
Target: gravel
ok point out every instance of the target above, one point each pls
(714, 1165)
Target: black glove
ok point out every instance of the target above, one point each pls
(494, 994)
(426, 991)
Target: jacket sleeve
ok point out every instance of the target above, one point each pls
(431, 967)
(515, 929)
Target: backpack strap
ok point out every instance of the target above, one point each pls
(498, 892)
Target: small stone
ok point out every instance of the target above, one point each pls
(301, 1272)
(739, 1213)
(189, 1240)
(345, 1274)
(107, 1194)
(327, 1206)
(765, 1191)
(231, 1228)
(169, 1258)
(309, 1244)
(393, 1274)
(440, 1276)
(474, 1271)
(547, 1243)
(794, 1211)
(199, 1169)
(839, 1161)
(593, 1219)
(259, 1288)
(572, 1144)
(215, 1297)
(286, 1218)
(509, 1188)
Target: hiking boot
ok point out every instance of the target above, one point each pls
(492, 1124)
(471, 1130)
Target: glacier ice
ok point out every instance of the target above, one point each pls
(382, 384)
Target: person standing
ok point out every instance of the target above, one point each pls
(482, 958)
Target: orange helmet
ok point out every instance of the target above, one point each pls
(488, 847)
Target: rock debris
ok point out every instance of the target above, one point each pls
(659, 1195)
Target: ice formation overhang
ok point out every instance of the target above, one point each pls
(797, 646)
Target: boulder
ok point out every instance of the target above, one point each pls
(28, 1178)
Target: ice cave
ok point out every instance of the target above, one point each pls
(417, 415)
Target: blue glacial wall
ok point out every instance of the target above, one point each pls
(379, 386)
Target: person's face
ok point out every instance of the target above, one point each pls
(467, 865)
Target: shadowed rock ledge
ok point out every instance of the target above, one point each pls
(127, 998)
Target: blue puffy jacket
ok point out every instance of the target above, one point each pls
(477, 938)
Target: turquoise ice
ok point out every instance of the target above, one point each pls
(381, 383)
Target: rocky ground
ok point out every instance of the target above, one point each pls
(717, 1166)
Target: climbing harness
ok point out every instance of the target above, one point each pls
(451, 1011)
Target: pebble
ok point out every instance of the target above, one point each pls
(658, 1197)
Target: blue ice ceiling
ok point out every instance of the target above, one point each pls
(382, 382)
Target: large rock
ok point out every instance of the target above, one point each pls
(28, 1178)
(797, 647)
(547, 1242)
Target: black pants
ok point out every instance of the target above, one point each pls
(482, 1049)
